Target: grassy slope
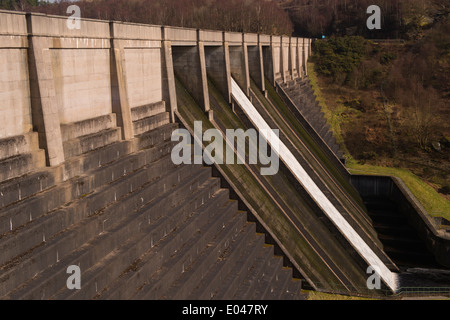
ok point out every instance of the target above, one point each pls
(433, 202)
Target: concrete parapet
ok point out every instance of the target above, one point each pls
(180, 36)
(210, 37)
(264, 39)
(233, 38)
(13, 23)
(56, 26)
(250, 39)
(131, 31)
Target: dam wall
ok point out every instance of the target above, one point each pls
(86, 177)
(56, 80)
(88, 115)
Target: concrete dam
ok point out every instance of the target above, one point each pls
(87, 177)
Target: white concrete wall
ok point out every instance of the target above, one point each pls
(82, 83)
(144, 76)
(276, 56)
(285, 57)
(15, 108)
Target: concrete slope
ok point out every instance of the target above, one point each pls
(300, 93)
(327, 207)
(331, 177)
(280, 206)
(138, 227)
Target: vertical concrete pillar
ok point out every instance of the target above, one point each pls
(204, 78)
(305, 55)
(293, 57)
(246, 67)
(168, 82)
(43, 96)
(120, 101)
(300, 57)
(276, 58)
(226, 49)
(286, 61)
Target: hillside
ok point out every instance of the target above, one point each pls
(399, 19)
(237, 15)
(389, 102)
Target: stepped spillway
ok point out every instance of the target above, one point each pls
(138, 227)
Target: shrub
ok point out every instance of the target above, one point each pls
(336, 57)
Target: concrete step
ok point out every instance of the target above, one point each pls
(266, 280)
(293, 291)
(327, 136)
(246, 289)
(16, 145)
(331, 142)
(290, 83)
(84, 144)
(19, 188)
(32, 234)
(49, 199)
(153, 137)
(280, 285)
(213, 212)
(322, 131)
(206, 250)
(93, 252)
(316, 118)
(238, 267)
(72, 247)
(92, 224)
(200, 271)
(148, 110)
(309, 112)
(178, 220)
(222, 269)
(88, 127)
(150, 123)
(21, 164)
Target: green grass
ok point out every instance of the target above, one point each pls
(433, 202)
(315, 295)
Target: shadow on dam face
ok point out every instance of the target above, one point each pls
(398, 224)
